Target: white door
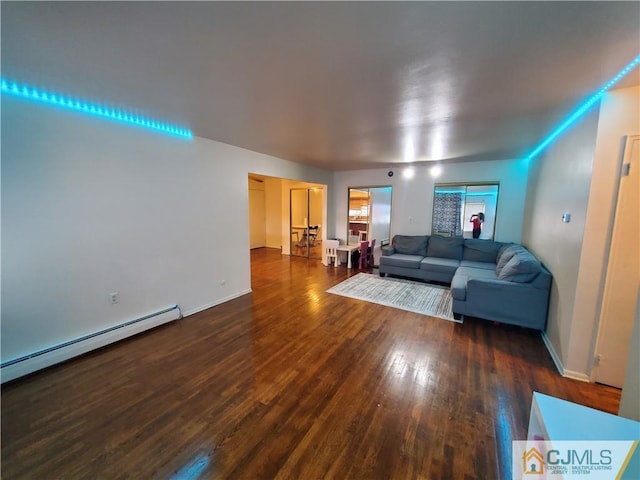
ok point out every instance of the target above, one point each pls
(257, 219)
(623, 274)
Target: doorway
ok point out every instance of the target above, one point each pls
(369, 215)
(306, 229)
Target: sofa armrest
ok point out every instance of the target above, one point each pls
(516, 303)
(491, 284)
(490, 290)
(388, 250)
(515, 295)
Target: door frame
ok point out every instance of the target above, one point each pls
(602, 322)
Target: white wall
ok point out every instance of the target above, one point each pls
(412, 199)
(559, 182)
(274, 213)
(257, 214)
(91, 207)
(578, 174)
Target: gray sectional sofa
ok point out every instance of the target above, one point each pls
(490, 280)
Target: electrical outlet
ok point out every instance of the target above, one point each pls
(113, 297)
(223, 282)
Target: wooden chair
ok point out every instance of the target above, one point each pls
(364, 248)
(370, 260)
(313, 234)
(331, 252)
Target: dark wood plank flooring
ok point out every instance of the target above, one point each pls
(288, 382)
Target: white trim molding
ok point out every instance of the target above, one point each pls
(217, 302)
(559, 365)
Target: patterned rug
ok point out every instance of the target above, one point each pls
(417, 297)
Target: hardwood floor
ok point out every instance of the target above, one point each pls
(315, 250)
(288, 382)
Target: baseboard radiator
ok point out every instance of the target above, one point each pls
(47, 357)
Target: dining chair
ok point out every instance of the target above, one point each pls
(313, 234)
(362, 235)
(370, 260)
(331, 252)
(364, 247)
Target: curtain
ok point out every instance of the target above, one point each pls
(446, 214)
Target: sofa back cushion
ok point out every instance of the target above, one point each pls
(411, 244)
(445, 247)
(476, 250)
(523, 267)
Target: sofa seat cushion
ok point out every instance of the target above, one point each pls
(445, 247)
(481, 265)
(522, 268)
(402, 260)
(462, 276)
(440, 265)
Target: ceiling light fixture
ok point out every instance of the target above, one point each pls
(24, 91)
(408, 173)
(583, 108)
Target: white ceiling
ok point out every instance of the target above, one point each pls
(336, 85)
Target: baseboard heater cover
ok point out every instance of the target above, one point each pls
(47, 357)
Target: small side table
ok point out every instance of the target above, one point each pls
(349, 249)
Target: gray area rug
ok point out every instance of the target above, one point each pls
(417, 297)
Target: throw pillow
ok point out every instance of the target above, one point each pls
(522, 268)
(505, 254)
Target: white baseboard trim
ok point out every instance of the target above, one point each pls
(32, 362)
(216, 302)
(577, 376)
(55, 354)
(552, 351)
(559, 365)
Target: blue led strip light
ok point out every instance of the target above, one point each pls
(24, 91)
(583, 108)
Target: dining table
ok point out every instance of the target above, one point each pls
(301, 234)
